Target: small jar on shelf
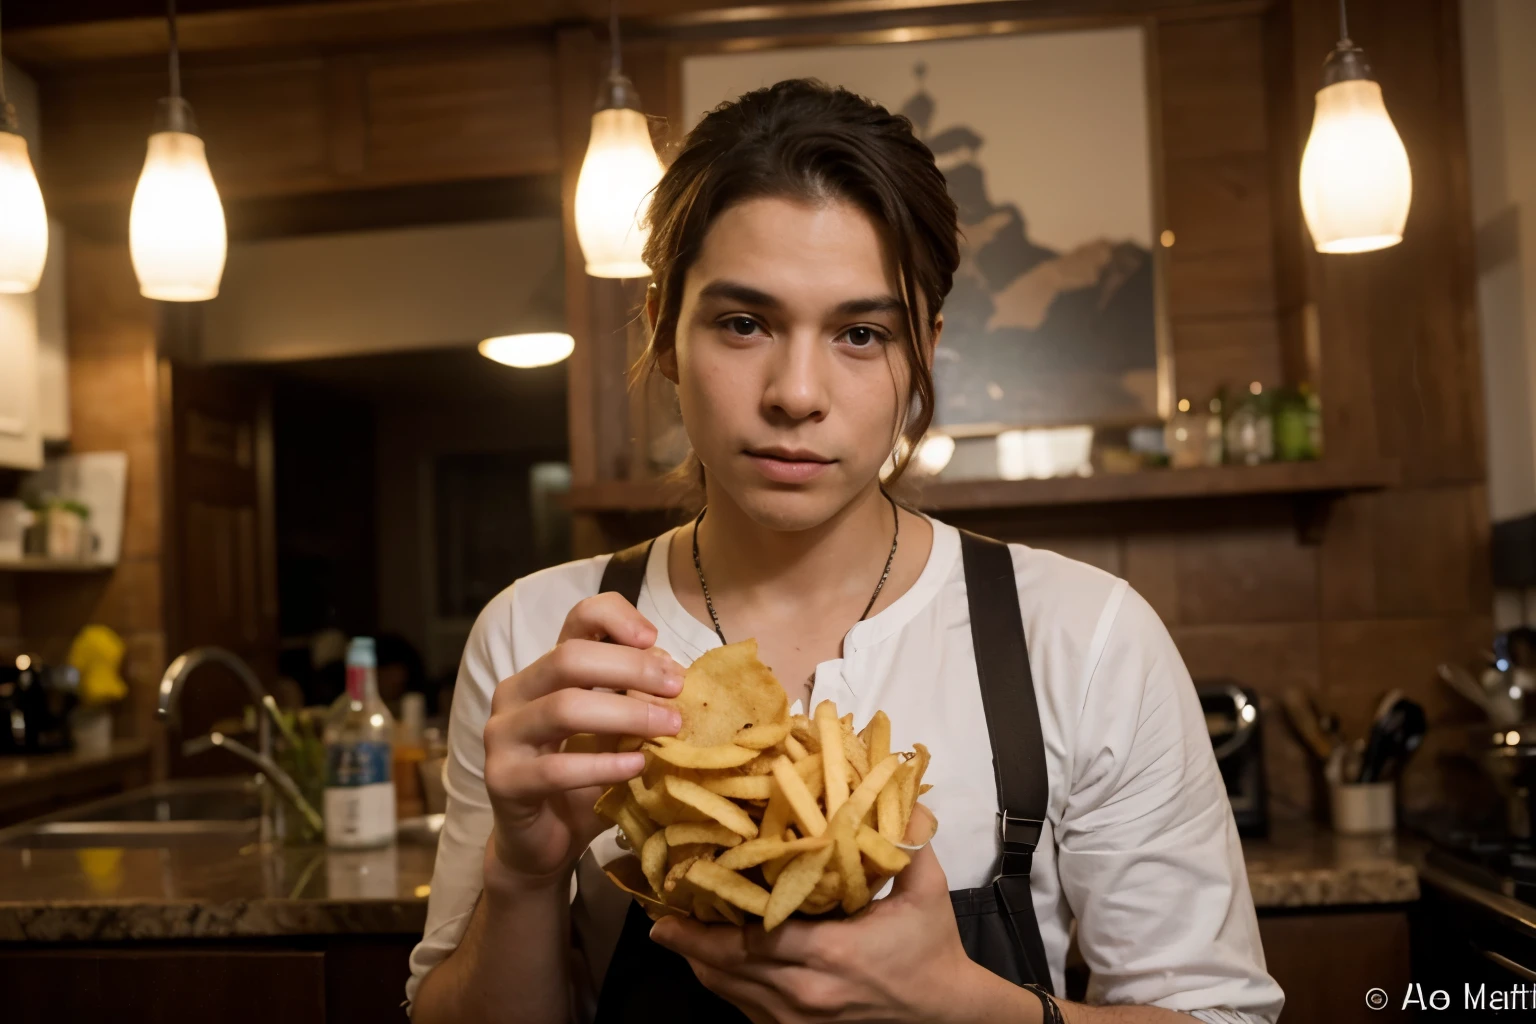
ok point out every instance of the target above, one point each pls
(1184, 437)
(1250, 431)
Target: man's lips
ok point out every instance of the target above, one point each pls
(788, 465)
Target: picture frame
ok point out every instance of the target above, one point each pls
(1060, 323)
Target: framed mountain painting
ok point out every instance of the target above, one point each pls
(1049, 143)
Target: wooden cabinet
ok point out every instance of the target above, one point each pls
(1326, 961)
(325, 981)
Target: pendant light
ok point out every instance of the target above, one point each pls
(617, 176)
(541, 348)
(23, 219)
(1355, 183)
(176, 227)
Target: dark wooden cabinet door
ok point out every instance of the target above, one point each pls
(162, 987)
(220, 572)
(1326, 962)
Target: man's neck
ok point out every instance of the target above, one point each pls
(740, 555)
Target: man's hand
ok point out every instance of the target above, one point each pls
(898, 960)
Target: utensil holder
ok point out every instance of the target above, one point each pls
(1364, 808)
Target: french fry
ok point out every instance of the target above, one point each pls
(712, 804)
(810, 773)
(888, 808)
(881, 851)
(879, 738)
(711, 832)
(730, 886)
(863, 798)
(855, 886)
(776, 815)
(795, 883)
(796, 749)
(742, 787)
(677, 872)
(834, 765)
(854, 751)
(674, 751)
(728, 912)
(653, 861)
(759, 851)
(802, 806)
(804, 730)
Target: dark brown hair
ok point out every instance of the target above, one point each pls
(802, 139)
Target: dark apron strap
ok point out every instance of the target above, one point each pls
(1013, 724)
(625, 571)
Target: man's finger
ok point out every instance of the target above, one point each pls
(720, 946)
(555, 716)
(589, 663)
(923, 877)
(608, 616)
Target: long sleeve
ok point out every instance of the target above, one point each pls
(1149, 856)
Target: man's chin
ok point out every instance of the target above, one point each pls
(789, 508)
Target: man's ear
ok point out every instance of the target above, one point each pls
(652, 305)
(933, 340)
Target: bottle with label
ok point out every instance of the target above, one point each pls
(359, 794)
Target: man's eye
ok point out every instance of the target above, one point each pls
(860, 337)
(741, 326)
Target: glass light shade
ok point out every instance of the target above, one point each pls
(616, 180)
(176, 226)
(23, 220)
(528, 350)
(1355, 183)
(934, 453)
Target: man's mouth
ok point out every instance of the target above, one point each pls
(788, 465)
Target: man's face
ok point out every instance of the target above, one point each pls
(789, 358)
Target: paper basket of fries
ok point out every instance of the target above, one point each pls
(751, 811)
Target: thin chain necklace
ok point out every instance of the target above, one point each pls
(884, 574)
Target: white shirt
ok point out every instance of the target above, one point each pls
(1139, 844)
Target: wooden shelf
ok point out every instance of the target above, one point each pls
(1301, 478)
(34, 563)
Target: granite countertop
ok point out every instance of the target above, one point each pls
(211, 890)
(1303, 865)
(218, 890)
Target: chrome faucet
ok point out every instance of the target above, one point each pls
(266, 710)
(176, 676)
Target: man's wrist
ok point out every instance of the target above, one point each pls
(988, 998)
(505, 883)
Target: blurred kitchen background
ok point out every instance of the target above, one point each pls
(1318, 467)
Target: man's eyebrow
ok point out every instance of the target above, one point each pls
(748, 296)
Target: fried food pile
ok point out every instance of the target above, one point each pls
(749, 810)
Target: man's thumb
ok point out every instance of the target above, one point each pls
(923, 875)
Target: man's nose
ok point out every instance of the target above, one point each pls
(797, 386)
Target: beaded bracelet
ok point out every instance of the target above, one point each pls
(1050, 1011)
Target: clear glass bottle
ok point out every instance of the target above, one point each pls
(359, 793)
(1251, 429)
(1184, 437)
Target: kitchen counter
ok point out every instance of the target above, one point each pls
(1302, 865)
(211, 890)
(37, 781)
(214, 890)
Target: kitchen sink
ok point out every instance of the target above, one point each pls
(174, 813)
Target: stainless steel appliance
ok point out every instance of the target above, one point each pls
(1234, 721)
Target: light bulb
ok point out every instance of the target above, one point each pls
(23, 220)
(1356, 186)
(176, 229)
(615, 184)
(528, 350)
(934, 453)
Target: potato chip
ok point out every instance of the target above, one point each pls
(759, 851)
(804, 730)
(881, 851)
(761, 737)
(742, 787)
(686, 755)
(802, 806)
(727, 689)
(795, 883)
(714, 805)
(653, 861)
(711, 832)
(729, 886)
